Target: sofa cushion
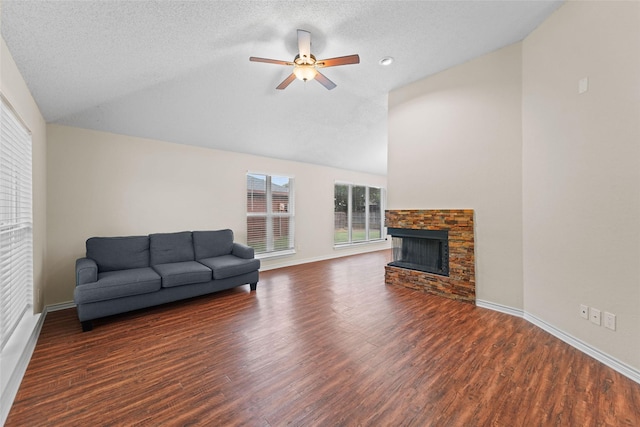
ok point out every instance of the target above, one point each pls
(209, 244)
(171, 247)
(183, 273)
(118, 284)
(119, 253)
(230, 265)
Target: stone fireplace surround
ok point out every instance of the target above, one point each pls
(461, 282)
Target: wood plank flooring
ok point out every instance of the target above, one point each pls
(321, 344)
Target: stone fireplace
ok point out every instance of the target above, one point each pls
(433, 252)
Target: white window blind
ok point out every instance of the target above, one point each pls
(270, 213)
(16, 241)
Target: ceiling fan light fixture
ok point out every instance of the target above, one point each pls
(305, 72)
(305, 65)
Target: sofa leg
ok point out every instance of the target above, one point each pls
(87, 326)
(253, 286)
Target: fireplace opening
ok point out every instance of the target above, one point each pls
(422, 250)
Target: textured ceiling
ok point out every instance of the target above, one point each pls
(179, 71)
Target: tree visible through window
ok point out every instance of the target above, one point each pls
(270, 217)
(357, 213)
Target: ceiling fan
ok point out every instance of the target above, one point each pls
(305, 65)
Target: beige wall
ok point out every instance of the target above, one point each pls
(554, 175)
(14, 88)
(102, 184)
(581, 175)
(455, 143)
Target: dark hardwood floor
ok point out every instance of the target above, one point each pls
(322, 344)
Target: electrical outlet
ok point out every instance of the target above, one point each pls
(610, 320)
(584, 311)
(583, 85)
(594, 316)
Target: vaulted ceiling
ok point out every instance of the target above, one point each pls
(179, 71)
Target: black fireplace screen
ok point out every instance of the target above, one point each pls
(422, 250)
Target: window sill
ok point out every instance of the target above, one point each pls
(277, 254)
(14, 359)
(352, 244)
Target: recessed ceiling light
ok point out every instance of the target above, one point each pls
(387, 60)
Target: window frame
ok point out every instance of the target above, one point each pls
(350, 213)
(270, 215)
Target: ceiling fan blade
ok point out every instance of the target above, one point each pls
(304, 44)
(269, 61)
(286, 82)
(342, 60)
(324, 81)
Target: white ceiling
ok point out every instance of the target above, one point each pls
(179, 71)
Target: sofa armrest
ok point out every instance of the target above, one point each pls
(242, 251)
(86, 271)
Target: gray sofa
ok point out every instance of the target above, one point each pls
(121, 274)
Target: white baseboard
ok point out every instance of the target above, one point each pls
(499, 307)
(602, 357)
(60, 306)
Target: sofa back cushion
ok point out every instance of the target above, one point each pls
(171, 247)
(119, 253)
(209, 244)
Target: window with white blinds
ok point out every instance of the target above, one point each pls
(270, 214)
(16, 239)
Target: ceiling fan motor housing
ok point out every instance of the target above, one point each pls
(310, 60)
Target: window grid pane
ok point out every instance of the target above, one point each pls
(358, 213)
(375, 214)
(256, 193)
(341, 214)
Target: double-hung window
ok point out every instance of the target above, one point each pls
(357, 213)
(16, 241)
(270, 214)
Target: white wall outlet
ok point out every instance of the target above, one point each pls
(610, 320)
(594, 316)
(583, 85)
(584, 311)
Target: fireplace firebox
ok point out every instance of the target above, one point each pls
(421, 250)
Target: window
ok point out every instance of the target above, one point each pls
(357, 214)
(270, 214)
(16, 264)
